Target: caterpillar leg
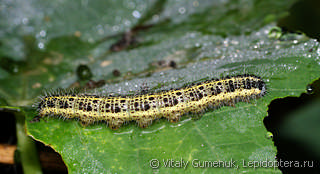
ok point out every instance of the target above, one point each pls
(196, 116)
(246, 99)
(144, 123)
(115, 123)
(85, 120)
(41, 116)
(85, 123)
(174, 118)
(231, 103)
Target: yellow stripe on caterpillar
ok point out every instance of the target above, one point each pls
(145, 108)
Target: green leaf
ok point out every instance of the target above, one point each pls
(205, 40)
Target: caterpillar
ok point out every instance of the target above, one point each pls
(145, 108)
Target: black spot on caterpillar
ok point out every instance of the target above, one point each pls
(144, 108)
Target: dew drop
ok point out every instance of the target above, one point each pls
(127, 22)
(269, 135)
(115, 28)
(43, 33)
(25, 21)
(309, 89)
(136, 14)
(182, 10)
(41, 45)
